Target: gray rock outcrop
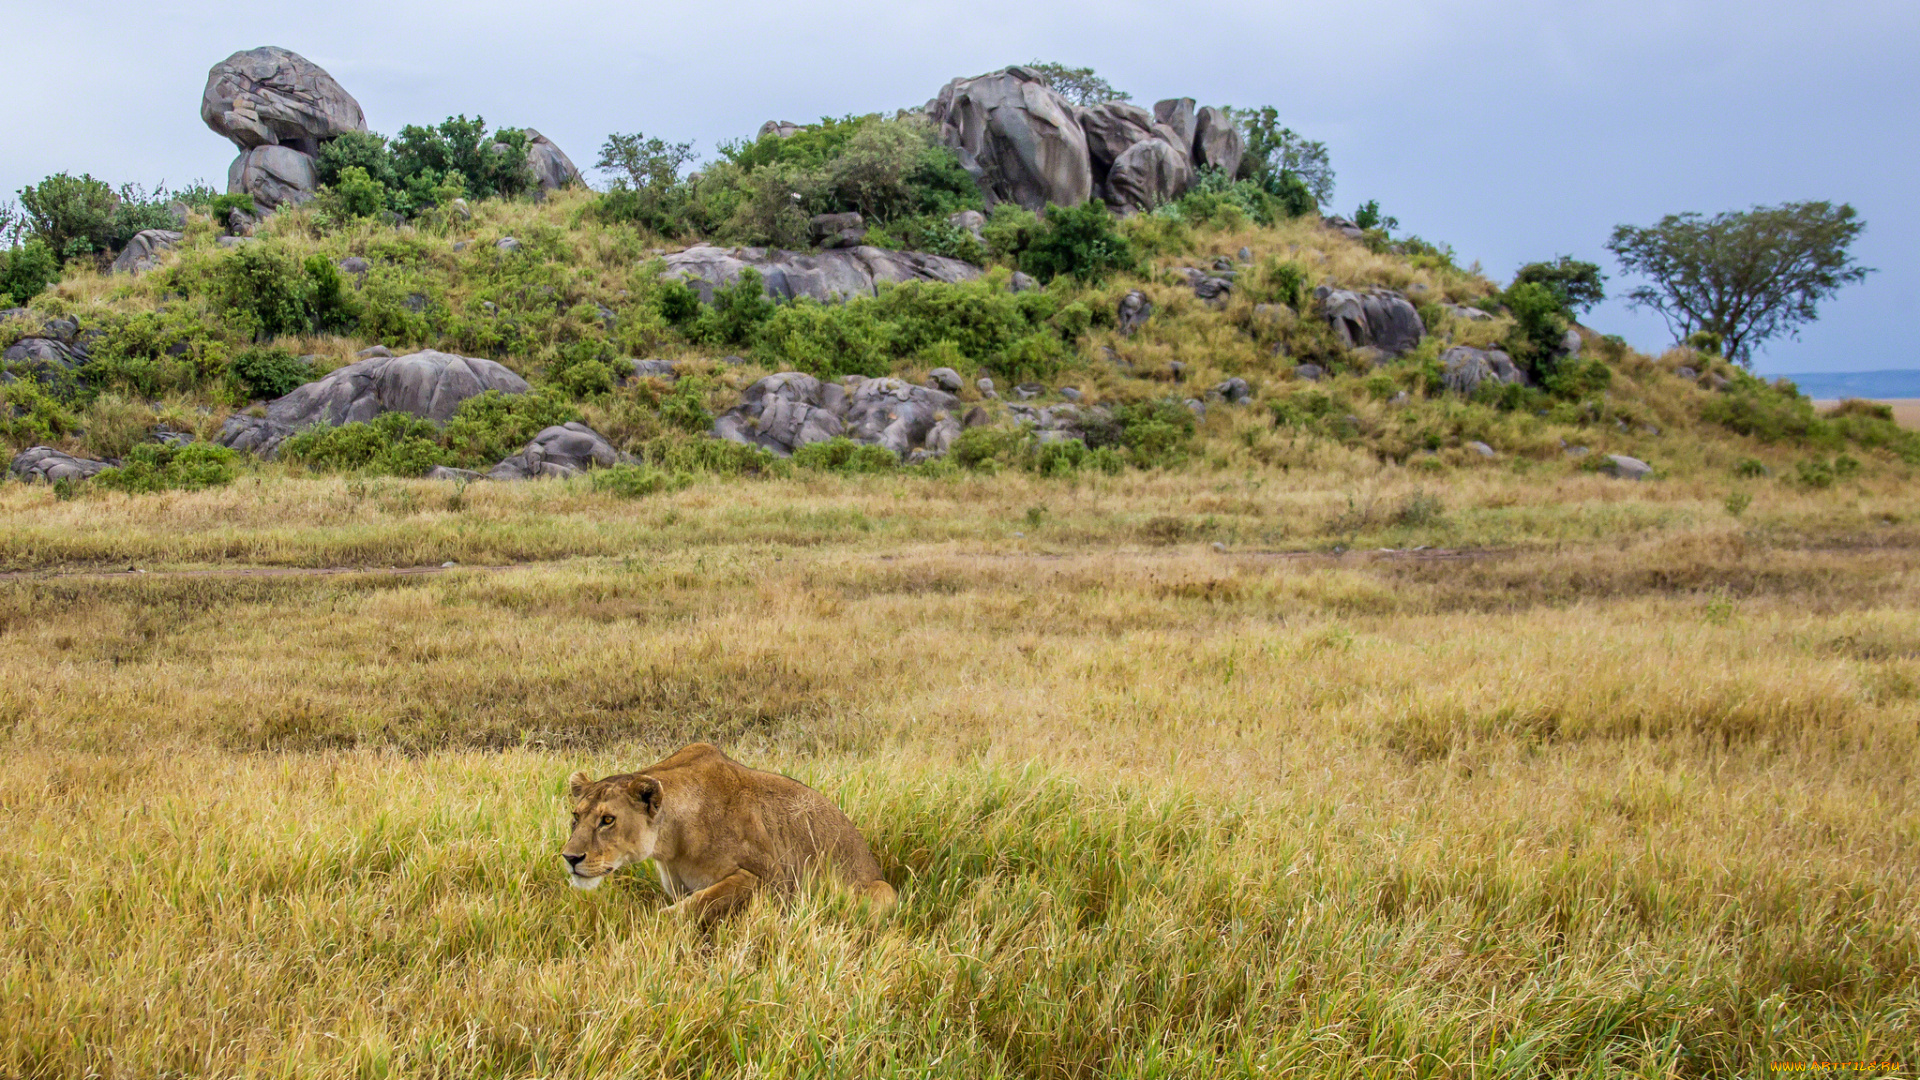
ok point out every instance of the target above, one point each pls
(1019, 140)
(1626, 468)
(1133, 312)
(551, 166)
(560, 451)
(43, 464)
(1111, 127)
(1463, 369)
(55, 349)
(1180, 115)
(837, 230)
(145, 251)
(1147, 174)
(839, 274)
(1216, 141)
(787, 411)
(274, 175)
(781, 129)
(1380, 318)
(272, 97)
(427, 384)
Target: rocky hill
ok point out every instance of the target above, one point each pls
(1097, 287)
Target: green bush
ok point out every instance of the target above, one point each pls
(685, 407)
(843, 455)
(826, 340)
(1576, 285)
(362, 150)
(736, 314)
(719, 457)
(430, 162)
(1065, 457)
(78, 215)
(1278, 281)
(224, 205)
(1079, 241)
(181, 349)
(1157, 433)
(354, 195)
(987, 448)
(637, 481)
(154, 467)
(26, 271)
(491, 426)
(29, 416)
(268, 373)
(263, 292)
(1010, 228)
(1768, 413)
(391, 444)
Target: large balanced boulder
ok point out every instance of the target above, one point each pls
(1216, 141)
(1378, 318)
(839, 274)
(1178, 114)
(1019, 140)
(46, 465)
(145, 251)
(274, 176)
(559, 451)
(1111, 127)
(1147, 174)
(427, 384)
(787, 411)
(271, 97)
(552, 168)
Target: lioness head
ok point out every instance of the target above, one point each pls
(613, 825)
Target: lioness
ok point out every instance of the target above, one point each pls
(716, 829)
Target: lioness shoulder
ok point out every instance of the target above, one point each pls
(717, 831)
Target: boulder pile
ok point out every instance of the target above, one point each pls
(787, 411)
(280, 108)
(1022, 142)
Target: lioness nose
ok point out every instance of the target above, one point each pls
(573, 860)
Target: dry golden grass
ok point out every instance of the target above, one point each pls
(1633, 795)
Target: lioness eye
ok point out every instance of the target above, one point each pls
(606, 819)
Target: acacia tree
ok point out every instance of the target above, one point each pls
(1078, 85)
(1277, 154)
(1748, 276)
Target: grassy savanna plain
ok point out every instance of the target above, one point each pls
(1604, 779)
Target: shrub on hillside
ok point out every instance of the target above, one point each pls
(363, 150)
(268, 373)
(79, 215)
(264, 293)
(391, 444)
(843, 455)
(427, 158)
(637, 481)
(29, 416)
(1577, 285)
(155, 467)
(826, 340)
(26, 271)
(736, 314)
(1079, 241)
(491, 426)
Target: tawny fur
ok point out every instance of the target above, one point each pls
(718, 832)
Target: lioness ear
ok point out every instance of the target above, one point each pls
(578, 783)
(645, 790)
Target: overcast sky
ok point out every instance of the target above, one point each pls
(1512, 130)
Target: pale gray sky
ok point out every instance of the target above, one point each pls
(1512, 130)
